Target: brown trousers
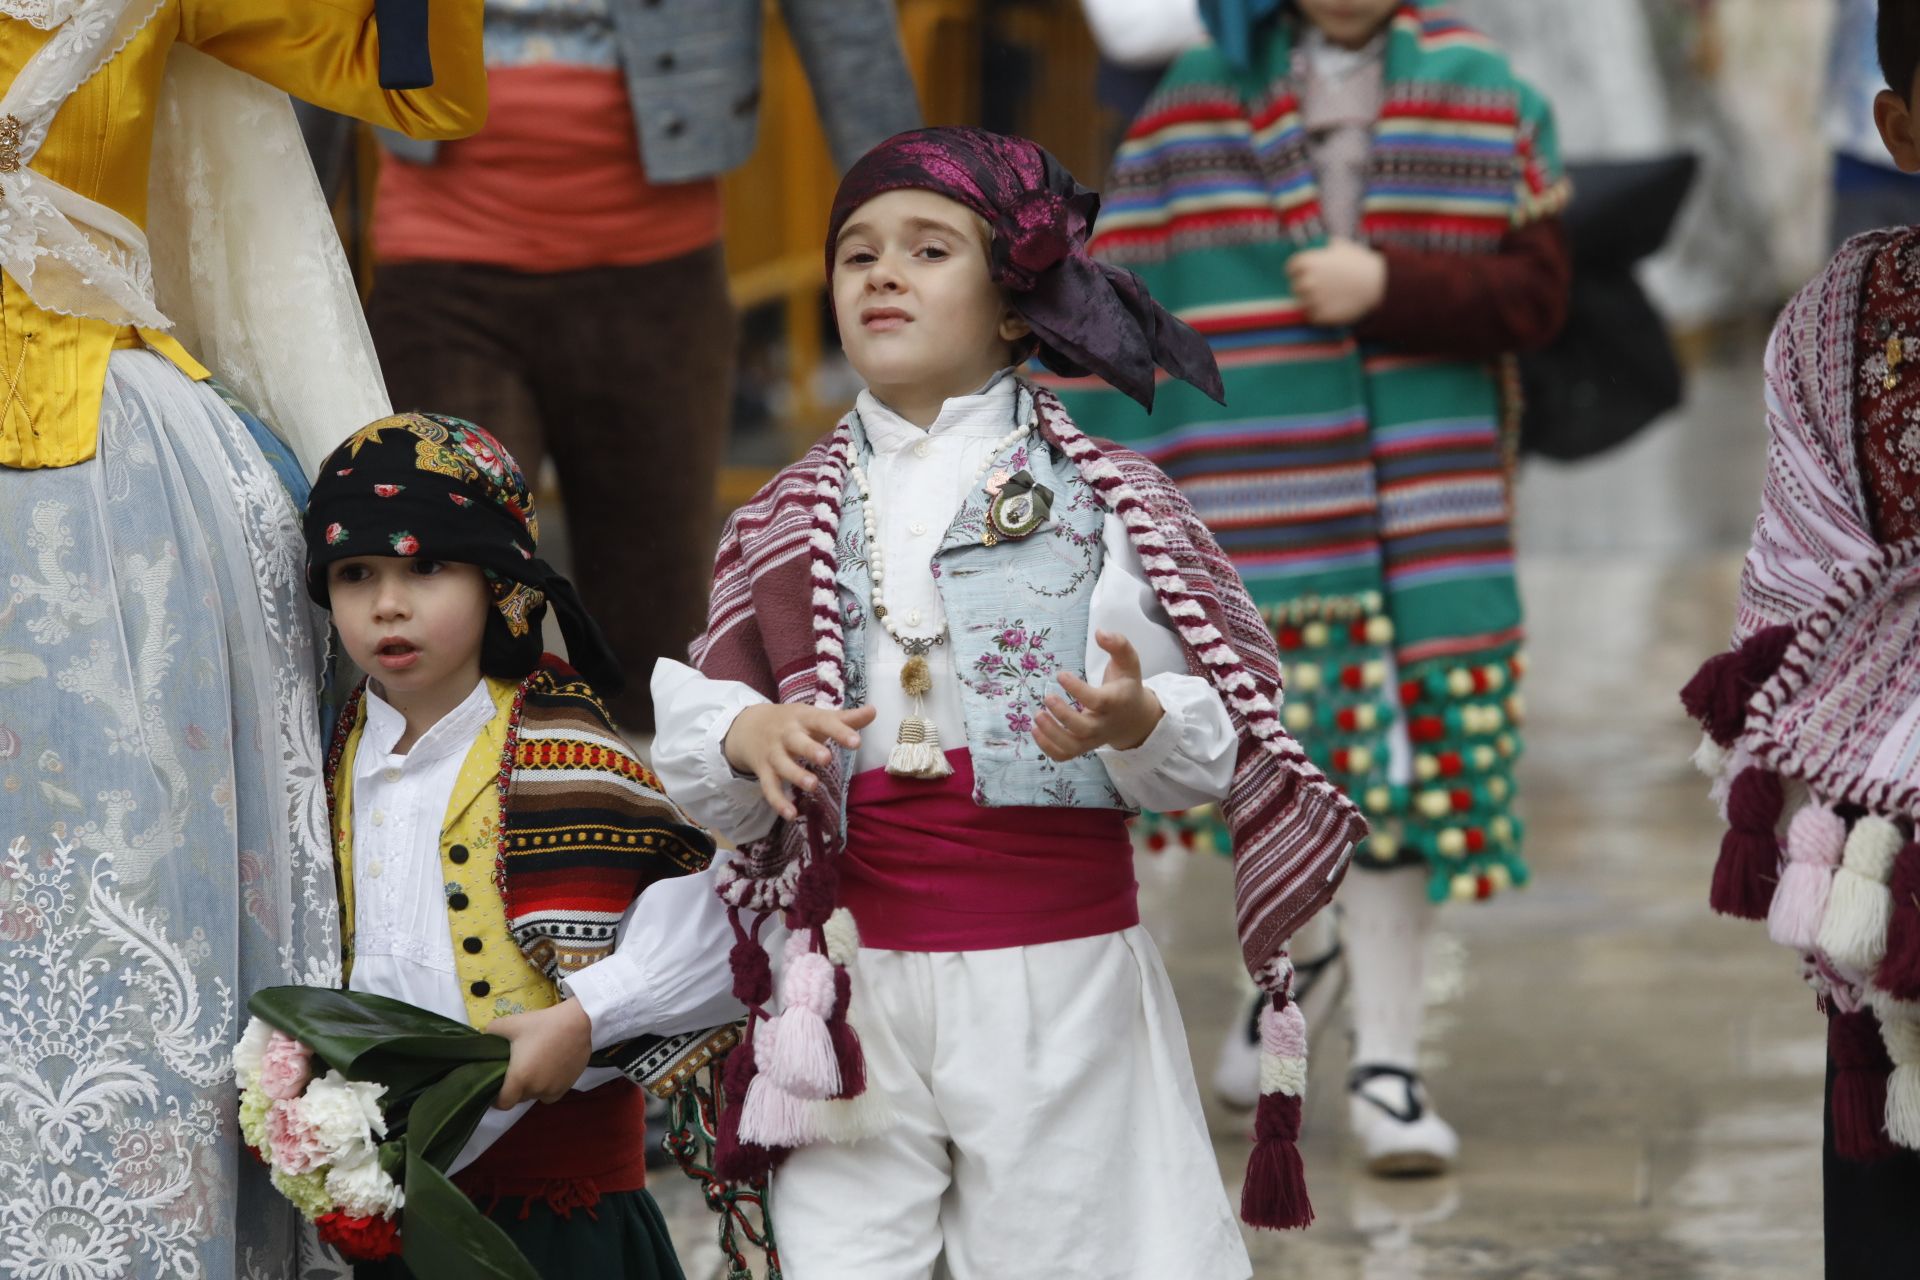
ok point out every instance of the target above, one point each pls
(624, 375)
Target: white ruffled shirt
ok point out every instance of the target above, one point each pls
(920, 478)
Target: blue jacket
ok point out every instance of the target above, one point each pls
(693, 77)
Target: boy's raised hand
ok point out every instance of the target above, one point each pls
(550, 1050)
(1120, 713)
(782, 745)
(1340, 284)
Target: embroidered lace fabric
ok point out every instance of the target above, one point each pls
(163, 844)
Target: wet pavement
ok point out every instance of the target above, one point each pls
(1636, 1082)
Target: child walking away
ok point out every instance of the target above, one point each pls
(1809, 717)
(491, 832)
(1356, 201)
(948, 652)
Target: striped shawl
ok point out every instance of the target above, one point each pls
(1813, 720)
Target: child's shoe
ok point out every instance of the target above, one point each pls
(1400, 1135)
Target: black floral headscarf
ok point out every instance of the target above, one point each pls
(419, 484)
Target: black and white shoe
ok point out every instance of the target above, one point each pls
(1400, 1134)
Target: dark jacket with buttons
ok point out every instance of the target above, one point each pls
(693, 77)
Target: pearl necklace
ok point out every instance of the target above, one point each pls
(876, 557)
(916, 751)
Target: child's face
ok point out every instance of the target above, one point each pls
(915, 304)
(413, 624)
(1348, 22)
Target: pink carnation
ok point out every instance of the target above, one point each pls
(285, 1067)
(296, 1146)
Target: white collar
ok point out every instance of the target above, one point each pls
(1332, 61)
(987, 412)
(454, 731)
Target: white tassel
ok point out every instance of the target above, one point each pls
(916, 753)
(1854, 930)
(851, 1119)
(1903, 1107)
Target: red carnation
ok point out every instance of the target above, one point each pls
(360, 1239)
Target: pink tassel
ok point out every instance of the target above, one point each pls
(734, 1160)
(772, 1117)
(1899, 972)
(1749, 866)
(1816, 840)
(1275, 1196)
(1860, 1070)
(803, 1062)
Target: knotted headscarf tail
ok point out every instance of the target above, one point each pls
(420, 484)
(1087, 317)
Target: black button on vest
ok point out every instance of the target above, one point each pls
(472, 945)
(458, 902)
(480, 988)
(458, 853)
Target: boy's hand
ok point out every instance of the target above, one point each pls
(1340, 284)
(550, 1050)
(1121, 713)
(782, 745)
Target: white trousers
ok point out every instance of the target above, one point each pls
(1048, 1127)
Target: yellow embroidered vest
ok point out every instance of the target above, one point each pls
(496, 978)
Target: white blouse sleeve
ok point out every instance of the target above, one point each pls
(692, 715)
(669, 972)
(1144, 33)
(1188, 759)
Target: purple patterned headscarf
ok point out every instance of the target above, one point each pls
(1088, 317)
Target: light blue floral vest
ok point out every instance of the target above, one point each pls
(1017, 615)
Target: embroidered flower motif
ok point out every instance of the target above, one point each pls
(524, 553)
(388, 490)
(405, 544)
(460, 499)
(998, 481)
(344, 471)
(336, 534)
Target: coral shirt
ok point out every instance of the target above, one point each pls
(554, 182)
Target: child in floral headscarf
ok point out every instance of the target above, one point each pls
(491, 831)
(948, 652)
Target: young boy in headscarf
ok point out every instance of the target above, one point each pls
(1811, 716)
(1356, 201)
(492, 833)
(947, 653)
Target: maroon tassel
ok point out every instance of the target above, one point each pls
(846, 1041)
(735, 1161)
(1275, 1196)
(1860, 1070)
(1899, 973)
(1749, 866)
(814, 894)
(752, 973)
(1718, 694)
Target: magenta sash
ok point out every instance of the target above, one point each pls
(928, 869)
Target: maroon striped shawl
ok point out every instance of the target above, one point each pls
(774, 624)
